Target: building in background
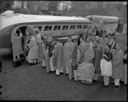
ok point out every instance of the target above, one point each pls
(20, 4)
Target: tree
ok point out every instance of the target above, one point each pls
(5, 5)
(53, 5)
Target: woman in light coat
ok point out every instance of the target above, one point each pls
(117, 65)
(33, 52)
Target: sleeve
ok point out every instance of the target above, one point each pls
(31, 43)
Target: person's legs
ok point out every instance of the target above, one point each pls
(75, 75)
(51, 65)
(106, 80)
(117, 82)
(57, 72)
(125, 74)
(70, 75)
(48, 65)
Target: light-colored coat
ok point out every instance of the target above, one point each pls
(117, 65)
(58, 52)
(17, 47)
(82, 49)
(89, 54)
(33, 52)
(67, 51)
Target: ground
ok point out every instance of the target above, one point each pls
(34, 83)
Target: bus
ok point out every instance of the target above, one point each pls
(59, 27)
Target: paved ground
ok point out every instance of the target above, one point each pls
(34, 83)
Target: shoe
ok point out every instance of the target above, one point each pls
(116, 86)
(86, 82)
(31, 64)
(43, 66)
(57, 74)
(105, 85)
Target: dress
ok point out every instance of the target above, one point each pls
(33, 52)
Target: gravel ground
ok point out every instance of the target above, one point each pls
(34, 83)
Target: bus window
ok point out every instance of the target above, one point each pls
(65, 27)
(40, 27)
(79, 26)
(85, 26)
(57, 27)
(48, 28)
(72, 27)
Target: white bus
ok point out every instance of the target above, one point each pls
(58, 26)
(108, 23)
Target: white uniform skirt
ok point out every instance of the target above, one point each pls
(106, 67)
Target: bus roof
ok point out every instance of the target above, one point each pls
(103, 19)
(8, 20)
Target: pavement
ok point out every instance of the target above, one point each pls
(34, 83)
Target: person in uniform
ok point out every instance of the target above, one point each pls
(117, 65)
(106, 65)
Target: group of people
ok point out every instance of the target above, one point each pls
(83, 59)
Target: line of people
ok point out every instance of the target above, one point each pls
(84, 61)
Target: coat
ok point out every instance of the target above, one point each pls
(67, 54)
(42, 51)
(74, 55)
(89, 54)
(97, 57)
(82, 49)
(16, 47)
(58, 54)
(103, 42)
(33, 52)
(117, 65)
(40, 46)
